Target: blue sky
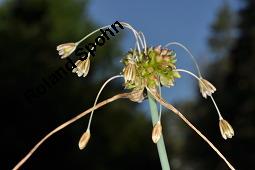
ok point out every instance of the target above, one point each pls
(162, 21)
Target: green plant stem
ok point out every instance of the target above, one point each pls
(160, 144)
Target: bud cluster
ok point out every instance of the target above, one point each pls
(150, 69)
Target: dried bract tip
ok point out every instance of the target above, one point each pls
(154, 91)
(64, 50)
(137, 95)
(206, 88)
(156, 132)
(82, 68)
(84, 139)
(226, 129)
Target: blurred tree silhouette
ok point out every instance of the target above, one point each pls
(29, 33)
(222, 36)
(232, 75)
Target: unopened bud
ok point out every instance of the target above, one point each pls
(226, 129)
(84, 139)
(206, 88)
(156, 132)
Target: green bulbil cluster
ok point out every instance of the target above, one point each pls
(152, 68)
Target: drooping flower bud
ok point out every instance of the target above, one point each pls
(129, 72)
(168, 82)
(84, 139)
(157, 49)
(226, 129)
(156, 132)
(82, 68)
(206, 88)
(64, 50)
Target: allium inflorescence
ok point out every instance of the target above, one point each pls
(151, 69)
(146, 70)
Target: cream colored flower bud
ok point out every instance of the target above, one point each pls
(158, 49)
(164, 52)
(156, 132)
(82, 68)
(168, 82)
(226, 129)
(64, 50)
(206, 88)
(84, 139)
(129, 72)
(137, 95)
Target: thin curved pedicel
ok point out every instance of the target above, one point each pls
(188, 51)
(67, 49)
(86, 135)
(143, 41)
(97, 97)
(123, 24)
(225, 128)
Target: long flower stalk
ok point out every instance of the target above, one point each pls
(160, 144)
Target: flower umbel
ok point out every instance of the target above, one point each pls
(226, 129)
(146, 70)
(154, 68)
(65, 50)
